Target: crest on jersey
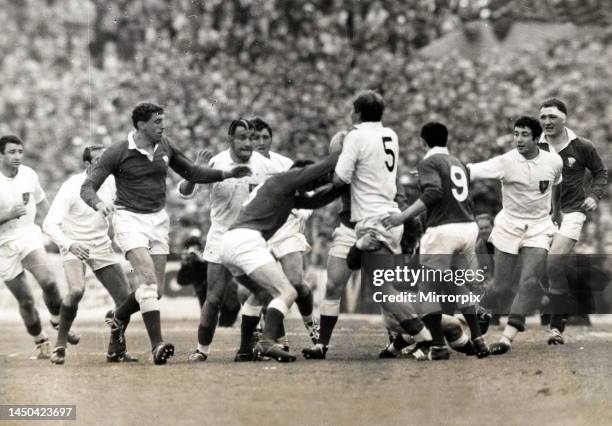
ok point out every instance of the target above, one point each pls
(26, 197)
(571, 161)
(544, 185)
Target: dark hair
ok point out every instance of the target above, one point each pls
(301, 163)
(259, 125)
(531, 123)
(192, 241)
(144, 111)
(434, 134)
(4, 140)
(88, 150)
(369, 105)
(241, 122)
(554, 102)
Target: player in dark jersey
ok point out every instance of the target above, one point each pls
(140, 165)
(245, 251)
(451, 232)
(578, 155)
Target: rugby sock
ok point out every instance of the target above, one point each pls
(67, 316)
(248, 326)
(509, 334)
(275, 315)
(152, 323)
(558, 308)
(127, 308)
(305, 304)
(416, 329)
(471, 318)
(53, 300)
(400, 342)
(433, 322)
(205, 334)
(205, 349)
(41, 337)
(35, 329)
(330, 309)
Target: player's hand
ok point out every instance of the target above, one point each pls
(105, 209)
(17, 211)
(203, 156)
(238, 172)
(368, 242)
(79, 250)
(557, 218)
(589, 204)
(393, 220)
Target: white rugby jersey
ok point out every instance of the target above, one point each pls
(25, 189)
(526, 184)
(71, 220)
(368, 163)
(281, 161)
(227, 196)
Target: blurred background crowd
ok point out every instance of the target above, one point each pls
(73, 70)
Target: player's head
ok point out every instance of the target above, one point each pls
(148, 119)
(553, 115)
(239, 134)
(434, 134)
(368, 106)
(261, 136)
(527, 131)
(11, 151)
(91, 156)
(485, 226)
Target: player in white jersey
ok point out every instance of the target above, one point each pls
(81, 233)
(22, 203)
(368, 163)
(226, 199)
(288, 245)
(523, 230)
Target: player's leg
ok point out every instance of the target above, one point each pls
(251, 313)
(558, 285)
(115, 281)
(293, 267)
(74, 271)
(217, 278)
(230, 307)
(18, 286)
(533, 264)
(37, 262)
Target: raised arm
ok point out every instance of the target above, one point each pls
(200, 174)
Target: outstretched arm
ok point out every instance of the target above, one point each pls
(200, 174)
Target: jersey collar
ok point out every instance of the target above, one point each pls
(369, 124)
(132, 145)
(536, 160)
(571, 136)
(436, 150)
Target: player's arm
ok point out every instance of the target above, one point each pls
(431, 193)
(52, 225)
(321, 198)
(15, 212)
(187, 189)
(490, 169)
(297, 178)
(347, 161)
(200, 174)
(103, 169)
(600, 179)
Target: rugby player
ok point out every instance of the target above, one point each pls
(523, 229)
(578, 155)
(450, 237)
(226, 199)
(22, 205)
(368, 163)
(288, 244)
(82, 237)
(140, 165)
(245, 251)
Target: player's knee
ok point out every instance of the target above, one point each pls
(333, 290)
(146, 296)
(47, 284)
(296, 278)
(214, 299)
(303, 290)
(74, 296)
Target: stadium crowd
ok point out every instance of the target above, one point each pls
(73, 73)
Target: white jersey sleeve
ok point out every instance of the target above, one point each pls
(489, 169)
(348, 157)
(59, 209)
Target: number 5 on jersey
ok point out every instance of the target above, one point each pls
(389, 163)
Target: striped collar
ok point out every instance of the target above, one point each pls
(436, 150)
(571, 136)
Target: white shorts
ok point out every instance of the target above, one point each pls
(509, 235)
(138, 230)
(13, 252)
(571, 226)
(244, 250)
(101, 254)
(212, 250)
(343, 238)
(444, 246)
(289, 238)
(391, 238)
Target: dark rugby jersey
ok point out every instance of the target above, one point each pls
(270, 204)
(578, 156)
(444, 184)
(140, 182)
